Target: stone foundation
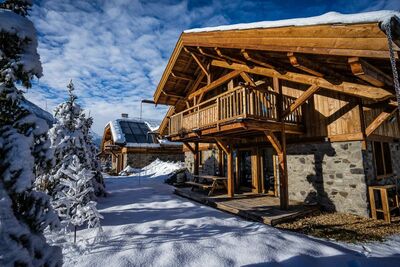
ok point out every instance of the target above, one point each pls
(139, 160)
(331, 174)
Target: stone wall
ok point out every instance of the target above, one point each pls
(208, 164)
(369, 165)
(139, 160)
(331, 174)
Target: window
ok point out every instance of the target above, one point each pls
(383, 159)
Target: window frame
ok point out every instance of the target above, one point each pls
(384, 158)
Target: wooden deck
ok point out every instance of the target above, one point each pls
(255, 207)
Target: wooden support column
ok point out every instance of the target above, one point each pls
(281, 149)
(196, 159)
(230, 175)
(221, 161)
(237, 170)
(231, 188)
(255, 170)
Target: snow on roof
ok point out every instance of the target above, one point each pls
(133, 131)
(13, 23)
(327, 18)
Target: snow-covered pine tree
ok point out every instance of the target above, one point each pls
(67, 140)
(24, 148)
(93, 159)
(70, 136)
(74, 202)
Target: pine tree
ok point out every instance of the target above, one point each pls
(93, 159)
(24, 148)
(73, 202)
(20, 7)
(70, 136)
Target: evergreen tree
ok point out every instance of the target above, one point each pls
(92, 156)
(70, 136)
(73, 202)
(21, 7)
(24, 148)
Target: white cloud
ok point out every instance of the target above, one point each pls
(114, 51)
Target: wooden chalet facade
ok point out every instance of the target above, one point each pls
(130, 142)
(306, 112)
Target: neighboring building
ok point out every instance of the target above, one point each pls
(305, 109)
(131, 142)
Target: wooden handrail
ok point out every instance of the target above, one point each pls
(240, 102)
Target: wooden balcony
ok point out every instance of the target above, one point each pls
(239, 103)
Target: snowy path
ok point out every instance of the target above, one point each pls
(146, 225)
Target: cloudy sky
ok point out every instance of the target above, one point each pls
(115, 50)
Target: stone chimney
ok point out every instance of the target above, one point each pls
(124, 115)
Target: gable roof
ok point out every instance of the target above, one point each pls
(126, 131)
(382, 16)
(335, 36)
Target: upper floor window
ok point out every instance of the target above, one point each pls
(383, 159)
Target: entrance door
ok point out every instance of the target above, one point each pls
(245, 178)
(268, 171)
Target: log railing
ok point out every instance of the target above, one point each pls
(234, 104)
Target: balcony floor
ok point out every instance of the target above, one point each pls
(236, 128)
(255, 207)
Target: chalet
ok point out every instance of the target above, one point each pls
(131, 142)
(304, 109)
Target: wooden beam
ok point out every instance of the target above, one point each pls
(188, 146)
(248, 79)
(201, 50)
(362, 91)
(274, 141)
(172, 95)
(228, 58)
(295, 63)
(301, 99)
(198, 61)
(246, 54)
(181, 76)
(223, 145)
(385, 115)
(215, 84)
(369, 73)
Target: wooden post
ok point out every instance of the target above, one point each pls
(255, 170)
(283, 175)
(237, 170)
(196, 159)
(230, 173)
(221, 162)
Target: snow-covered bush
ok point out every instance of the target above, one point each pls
(24, 148)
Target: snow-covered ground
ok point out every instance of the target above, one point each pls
(145, 224)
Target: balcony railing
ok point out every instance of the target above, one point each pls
(234, 104)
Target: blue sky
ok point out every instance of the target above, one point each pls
(116, 51)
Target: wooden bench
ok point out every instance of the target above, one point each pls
(217, 183)
(199, 185)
